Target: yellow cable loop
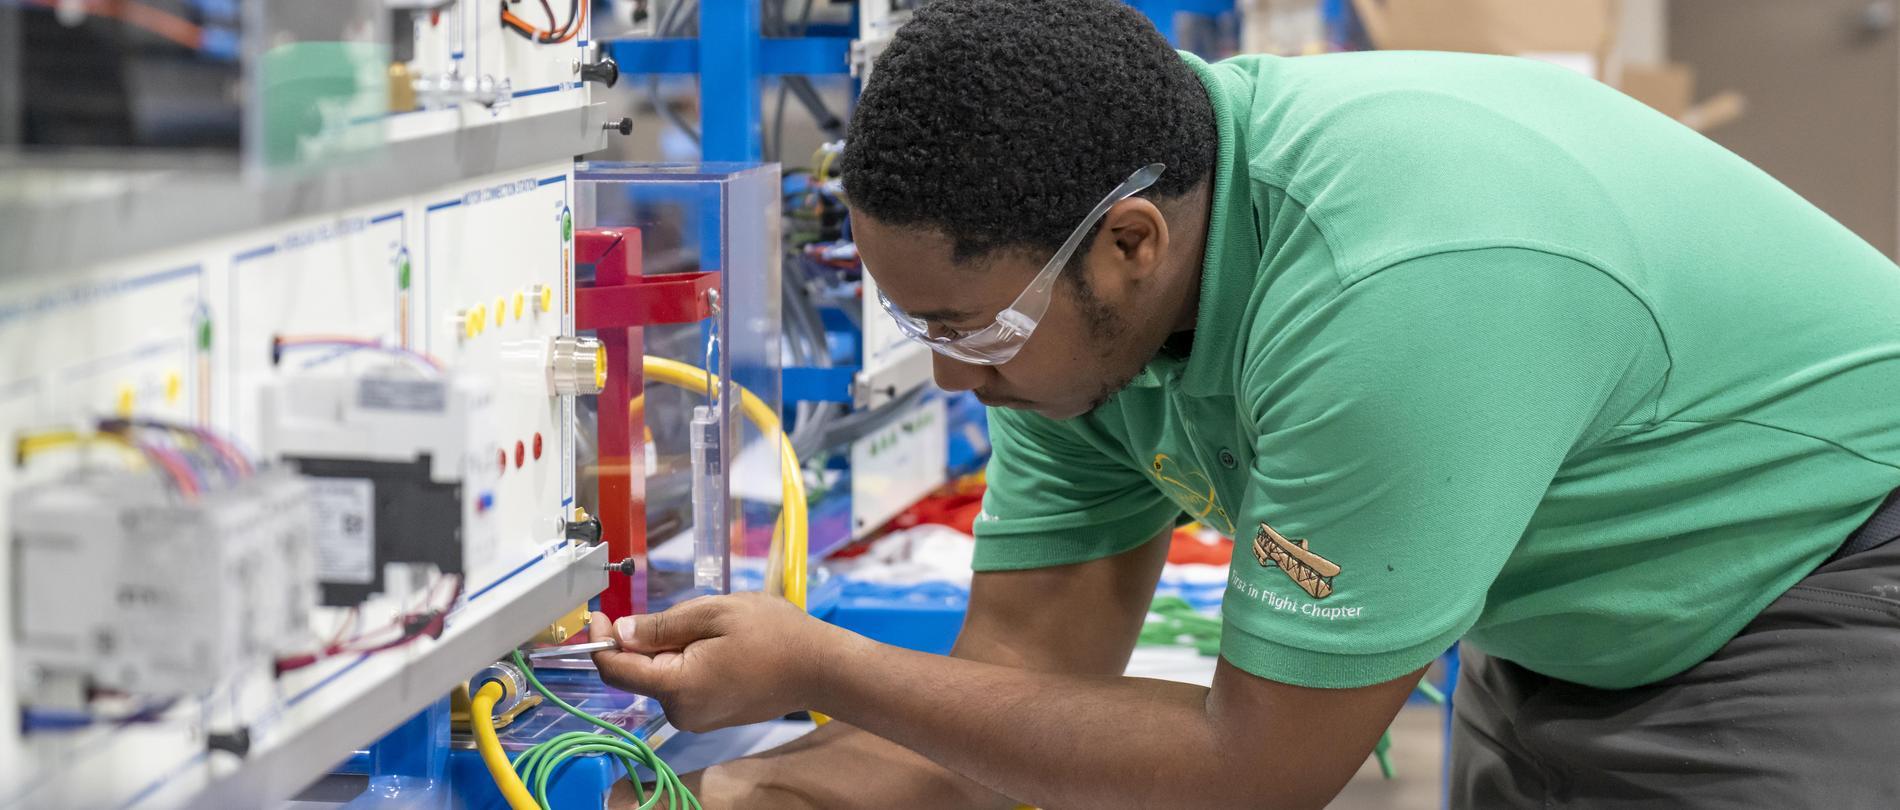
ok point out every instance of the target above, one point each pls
(34, 443)
(481, 718)
(790, 554)
(786, 562)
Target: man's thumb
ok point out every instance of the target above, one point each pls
(670, 629)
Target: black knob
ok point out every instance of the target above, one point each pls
(623, 126)
(584, 531)
(236, 741)
(606, 71)
(625, 567)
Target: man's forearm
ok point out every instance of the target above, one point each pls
(1054, 740)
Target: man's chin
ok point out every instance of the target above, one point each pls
(1059, 412)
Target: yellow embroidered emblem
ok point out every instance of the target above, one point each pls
(1313, 573)
(1193, 491)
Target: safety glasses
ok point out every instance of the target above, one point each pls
(999, 342)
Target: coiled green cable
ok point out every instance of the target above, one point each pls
(537, 764)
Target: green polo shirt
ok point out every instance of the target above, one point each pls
(1485, 350)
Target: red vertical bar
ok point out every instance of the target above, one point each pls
(615, 254)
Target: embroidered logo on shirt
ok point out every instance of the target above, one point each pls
(1313, 573)
(1193, 491)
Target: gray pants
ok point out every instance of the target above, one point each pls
(1801, 709)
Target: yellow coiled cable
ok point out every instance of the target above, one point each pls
(481, 718)
(786, 562)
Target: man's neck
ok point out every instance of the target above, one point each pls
(1190, 246)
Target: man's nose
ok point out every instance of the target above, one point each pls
(955, 375)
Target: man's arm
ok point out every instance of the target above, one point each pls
(1078, 619)
(1056, 739)
(1060, 740)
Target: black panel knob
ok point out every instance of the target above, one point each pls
(605, 71)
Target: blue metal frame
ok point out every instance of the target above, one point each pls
(777, 57)
(409, 765)
(732, 56)
(729, 96)
(1163, 11)
(817, 384)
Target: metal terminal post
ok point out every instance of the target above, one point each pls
(577, 365)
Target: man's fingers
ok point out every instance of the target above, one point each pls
(631, 671)
(670, 629)
(598, 628)
(634, 672)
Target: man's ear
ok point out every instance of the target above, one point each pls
(1137, 238)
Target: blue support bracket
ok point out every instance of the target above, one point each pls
(669, 56)
(810, 56)
(811, 384)
(729, 92)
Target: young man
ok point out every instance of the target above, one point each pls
(1454, 347)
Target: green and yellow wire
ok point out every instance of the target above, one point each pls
(535, 765)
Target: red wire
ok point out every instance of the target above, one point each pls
(349, 622)
(553, 36)
(138, 15)
(173, 464)
(509, 19)
(438, 619)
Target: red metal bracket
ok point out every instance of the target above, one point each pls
(619, 303)
(646, 301)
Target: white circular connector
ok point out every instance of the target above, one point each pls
(514, 685)
(577, 365)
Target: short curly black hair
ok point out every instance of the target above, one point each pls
(1000, 123)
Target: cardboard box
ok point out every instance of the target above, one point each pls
(1489, 26)
(1670, 88)
(1576, 34)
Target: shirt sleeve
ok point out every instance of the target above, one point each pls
(1406, 433)
(1058, 495)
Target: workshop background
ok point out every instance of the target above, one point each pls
(373, 342)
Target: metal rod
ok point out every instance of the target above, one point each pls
(574, 649)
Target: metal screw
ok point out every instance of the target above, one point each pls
(623, 126)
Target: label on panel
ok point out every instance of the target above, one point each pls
(345, 528)
(422, 396)
(894, 467)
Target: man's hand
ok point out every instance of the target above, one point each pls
(718, 661)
